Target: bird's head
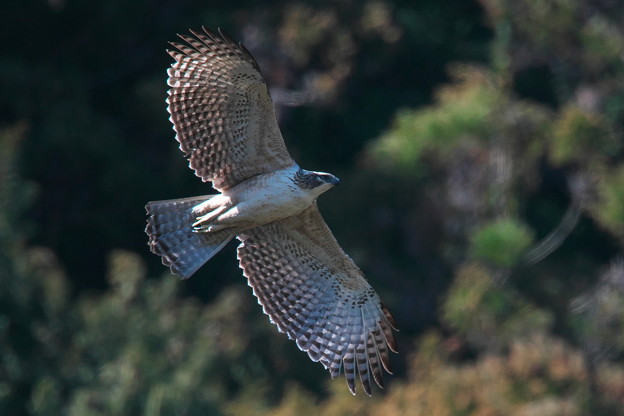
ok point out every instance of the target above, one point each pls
(317, 182)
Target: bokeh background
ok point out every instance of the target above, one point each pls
(480, 147)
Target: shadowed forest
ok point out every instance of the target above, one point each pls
(481, 152)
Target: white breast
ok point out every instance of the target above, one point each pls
(270, 197)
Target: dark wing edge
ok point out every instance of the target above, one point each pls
(331, 312)
(240, 46)
(220, 38)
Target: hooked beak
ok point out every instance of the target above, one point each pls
(334, 180)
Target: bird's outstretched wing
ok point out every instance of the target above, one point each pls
(222, 112)
(314, 292)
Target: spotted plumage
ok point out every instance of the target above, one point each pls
(310, 288)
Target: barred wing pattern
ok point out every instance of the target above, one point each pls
(222, 112)
(314, 292)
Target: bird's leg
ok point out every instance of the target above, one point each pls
(228, 219)
(221, 212)
(208, 211)
(202, 224)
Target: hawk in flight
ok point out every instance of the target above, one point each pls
(224, 120)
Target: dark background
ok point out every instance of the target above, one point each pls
(480, 150)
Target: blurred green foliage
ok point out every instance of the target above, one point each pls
(490, 316)
(579, 137)
(609, 208)
(501, 242)
(462, 111)
(481, 151)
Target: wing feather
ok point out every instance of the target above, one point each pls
(315, 293)
(222, 112)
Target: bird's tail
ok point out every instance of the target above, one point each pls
(171, 235)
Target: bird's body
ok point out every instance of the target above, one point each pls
(257, 201)
(311, 289)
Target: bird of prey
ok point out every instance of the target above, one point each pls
(224, 120)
